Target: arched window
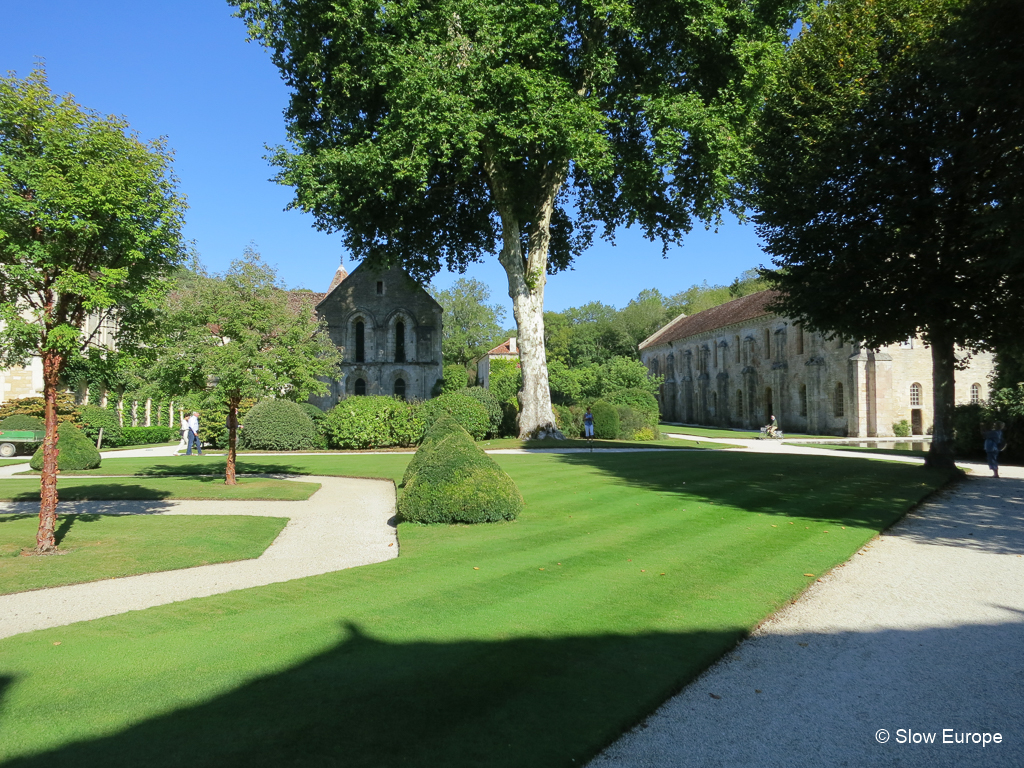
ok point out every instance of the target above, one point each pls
(400, 388)
(360, 388)
(715, 345)
(769, 404)
(714, 402)
(361, 344)
(799, 339)
(767, 343)
(915, 394)
(399, 342)
(975, 393)
(739, 403)
(839, 404)
(736, 343)
(803, 399)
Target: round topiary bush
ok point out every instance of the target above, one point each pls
(372, 421)
(606, 420)
(74, 450)
(465, 409)
(22, 421)
(276, 425)
(455, 482)
(487, 399)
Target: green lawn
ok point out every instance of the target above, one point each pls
(18, 460)
(533, 643)
(107, 546)
(731, 433)
(70, 488)
(513, 442)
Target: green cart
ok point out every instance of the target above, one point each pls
(9, 439)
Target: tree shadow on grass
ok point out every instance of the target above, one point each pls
(829, 490)
(367, 703)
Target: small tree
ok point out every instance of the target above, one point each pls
(243, 336)
(90, 223)
(471, 325)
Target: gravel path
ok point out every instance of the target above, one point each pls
(923, 630)
(348, 522)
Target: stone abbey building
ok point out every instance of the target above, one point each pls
(389, 331)
(737, 364)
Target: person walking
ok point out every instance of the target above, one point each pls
(183, 432)
(193, 434)
(994, 443)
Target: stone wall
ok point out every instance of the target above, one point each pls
(740, 375)
(400, 348)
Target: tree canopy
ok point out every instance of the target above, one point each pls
(435, 134)
(890, 177)
(471, 326)
(243, 336)
(90, 224)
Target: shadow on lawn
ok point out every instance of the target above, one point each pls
(839, 491)
(366, 703)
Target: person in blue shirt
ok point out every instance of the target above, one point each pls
(994, 443)
(588, 425)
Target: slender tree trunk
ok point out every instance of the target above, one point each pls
(45, 541)
(229, 473)
(940, 455)
(149, 412)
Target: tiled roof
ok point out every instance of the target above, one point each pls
(735, 311)
(503, 349)
(339, 275)
(296, 298)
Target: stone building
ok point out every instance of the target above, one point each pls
(737, 364)
(507, 350)
(389, 330)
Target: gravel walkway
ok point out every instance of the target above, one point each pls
(348, 522)
(921, 631)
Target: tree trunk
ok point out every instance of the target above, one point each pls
(527, 276)
(940, 455)
(45, 541)
(229, 473)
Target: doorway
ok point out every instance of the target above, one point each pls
(769, 405)
(916, 422)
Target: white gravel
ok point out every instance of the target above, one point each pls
(921, 631)
(348, 522)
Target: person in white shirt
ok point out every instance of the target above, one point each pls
(193, 434)
(183, 432)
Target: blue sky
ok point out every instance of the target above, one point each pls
(183, 70)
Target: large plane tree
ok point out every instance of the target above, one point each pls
(892, 177)
(435, 133)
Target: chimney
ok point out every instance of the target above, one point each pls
(512, 346)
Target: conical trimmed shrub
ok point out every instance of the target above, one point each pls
(450, 480)
(75, 450)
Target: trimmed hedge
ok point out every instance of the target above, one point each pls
(569, 419)
(276, 425)
(901, 428)
(455, 378)
(490, 403)
(372, 421)
(465, 409)
(75, 451)
(22, 421)
(606, 420)
(146, 435)
(95, 418)
(638, 413)
(453, 481)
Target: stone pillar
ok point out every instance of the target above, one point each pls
(817, 400)
(855, 393)
(883, 396)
